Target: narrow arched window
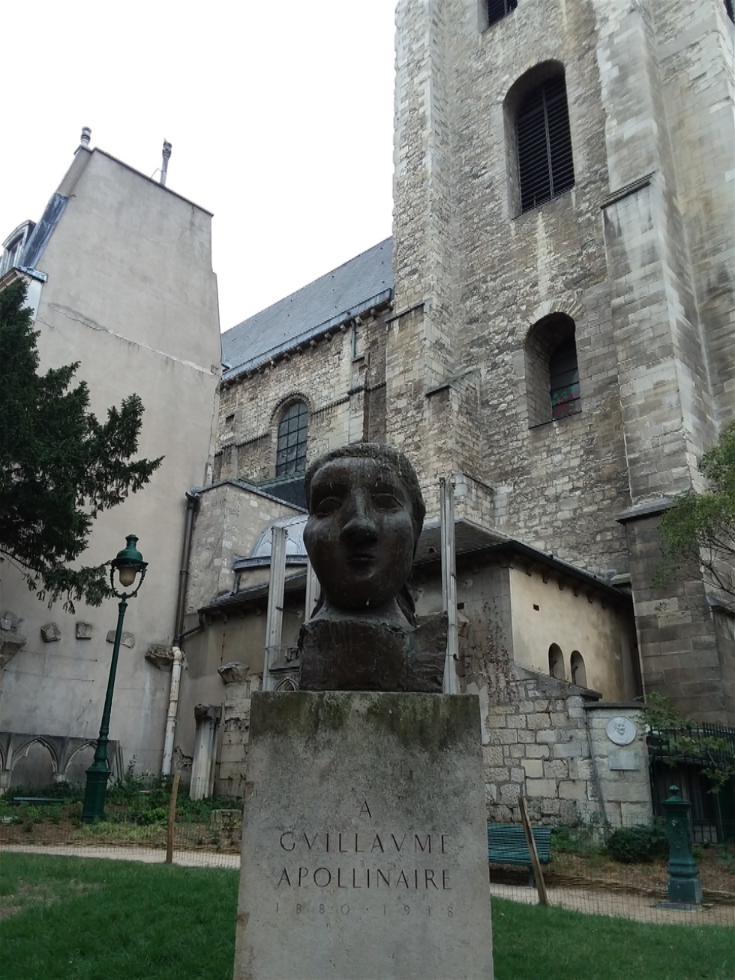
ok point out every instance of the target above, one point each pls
(556, 662)
(552, 369)
(544, 143)
(730, 8)
(564, 380)
(292, 435)
(579, 673)
(495, 10)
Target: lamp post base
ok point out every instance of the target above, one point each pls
(95, 792)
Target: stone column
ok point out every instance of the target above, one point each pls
(205, 750)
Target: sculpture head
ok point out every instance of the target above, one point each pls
(365, 518)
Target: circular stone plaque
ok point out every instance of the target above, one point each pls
(621, 730)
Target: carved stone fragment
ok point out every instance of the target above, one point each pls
(50, 633)
(234, 673)
(160, 656)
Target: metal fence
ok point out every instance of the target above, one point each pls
(700, 760)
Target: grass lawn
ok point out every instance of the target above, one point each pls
(85, 919)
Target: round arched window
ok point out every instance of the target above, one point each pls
(579, 672)
(292, 434)
(556, 662)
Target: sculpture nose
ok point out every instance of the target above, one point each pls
(360, 527)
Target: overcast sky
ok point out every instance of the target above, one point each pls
(280, 115)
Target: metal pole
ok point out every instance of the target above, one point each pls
(449, 583)
(99, 772)
(274, 615)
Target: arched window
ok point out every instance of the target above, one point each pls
(495, 10)
(544, 143)
(579, 674)
(292, 433)
(552, 370)
(556, 662)
(730, 8)
(287, 685)
(564, 380)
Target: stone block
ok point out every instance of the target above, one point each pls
(83, 631)
(50, 633)
(556, 769)
(539, 721)
(546, 737)
(541, 787)
(572, 790)
(568, 750)
(534, 768)
(364, 840)
(509, 793)
(492, 755)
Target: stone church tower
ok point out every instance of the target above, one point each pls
(563, 261)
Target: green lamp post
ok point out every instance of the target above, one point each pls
(684, 885)
(129, 566)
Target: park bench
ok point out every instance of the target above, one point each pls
(506, 844)
(38, 800)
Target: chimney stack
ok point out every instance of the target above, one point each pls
(166, 158)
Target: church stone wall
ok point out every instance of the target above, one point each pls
(639, 254)
(340, 377)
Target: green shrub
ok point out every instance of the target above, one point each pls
(641, 844)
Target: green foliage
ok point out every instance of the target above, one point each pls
(699, 530)
(682, 741)
(638, 845)
(586, 839)
(59, 466)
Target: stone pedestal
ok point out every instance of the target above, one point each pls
(364, 840)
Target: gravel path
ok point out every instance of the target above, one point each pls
(641, 908)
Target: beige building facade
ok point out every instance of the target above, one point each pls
(120, 277)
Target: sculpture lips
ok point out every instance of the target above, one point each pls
(361, 558)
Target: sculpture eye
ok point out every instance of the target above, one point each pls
(326, 506)
(386, 501)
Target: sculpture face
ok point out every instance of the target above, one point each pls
(359, 535)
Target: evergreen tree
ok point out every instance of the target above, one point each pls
(59, 466)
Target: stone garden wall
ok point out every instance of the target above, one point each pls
(548, 740)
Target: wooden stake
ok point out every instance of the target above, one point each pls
(538, 875)
(172, 820)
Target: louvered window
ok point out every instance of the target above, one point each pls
(545, 166)
(292, 432)
(564, 379)
(497, 9)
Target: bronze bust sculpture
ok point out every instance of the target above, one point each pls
(365, 518)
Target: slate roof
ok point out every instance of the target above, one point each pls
(352, 288)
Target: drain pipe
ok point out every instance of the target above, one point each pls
(192, 503)
(173, 708)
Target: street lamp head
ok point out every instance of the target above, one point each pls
(128, 564)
